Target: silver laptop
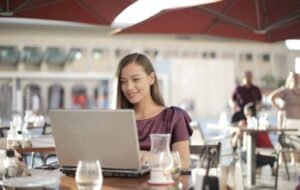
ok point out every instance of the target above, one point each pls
(106, 135)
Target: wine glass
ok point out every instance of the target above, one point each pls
(176, 165)
(89, 175)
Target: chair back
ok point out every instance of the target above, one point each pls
(291, 123)
(197, 137)
(206, 153)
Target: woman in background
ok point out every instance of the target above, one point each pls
(287, 100)
(289, 96)
(138, 89)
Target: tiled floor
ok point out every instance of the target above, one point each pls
(267, 181)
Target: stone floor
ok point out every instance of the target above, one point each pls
(267, 181)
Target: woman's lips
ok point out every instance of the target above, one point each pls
(131, 95)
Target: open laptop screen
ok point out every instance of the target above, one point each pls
(107, 135)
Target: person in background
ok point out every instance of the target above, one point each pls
(289, 96)
(243, 94)
(138, 89)
(287, 101)
(262, 139)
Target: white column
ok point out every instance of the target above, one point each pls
(67, 95)
(44, 66)
(89, 94)
(44, 98)
(297, 65)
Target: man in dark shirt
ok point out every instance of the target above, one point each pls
(244, 94)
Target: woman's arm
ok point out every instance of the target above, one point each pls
(276, 94)
(182, 147)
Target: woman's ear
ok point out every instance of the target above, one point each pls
(151, 78)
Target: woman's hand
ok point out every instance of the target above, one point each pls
(145, 157)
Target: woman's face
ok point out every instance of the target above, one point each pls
(135, 82)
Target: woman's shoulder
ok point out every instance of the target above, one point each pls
(177, 112)
(175, 109)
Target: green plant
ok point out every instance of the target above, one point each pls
(268, 80)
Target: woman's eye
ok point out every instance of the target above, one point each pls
(135, 80)
(122, 82)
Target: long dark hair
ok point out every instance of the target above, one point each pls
(142, 60)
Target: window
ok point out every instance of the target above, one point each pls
(9, 55)
(74, 54)
(246, 58)
(152, 53)
(55, 56)
(97, 54)
(32, 55)
(121, 52)
(209, 55)
(264, 58)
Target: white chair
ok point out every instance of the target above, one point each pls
(197, 137)
(231, 174)
(289, 142)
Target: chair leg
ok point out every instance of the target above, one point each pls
(285, 165)
(32, 159)
(277, 171)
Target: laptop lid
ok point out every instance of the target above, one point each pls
(107, 135)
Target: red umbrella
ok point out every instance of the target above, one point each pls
(261, 20)
(83, 11)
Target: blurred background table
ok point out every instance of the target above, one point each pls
(251, 145)
(44, 144)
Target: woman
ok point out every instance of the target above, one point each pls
(138, 90)
(289, 105)
(289, 96)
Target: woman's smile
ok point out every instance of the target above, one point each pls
(132, 95)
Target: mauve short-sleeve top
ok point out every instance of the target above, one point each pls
(171, 120)
(291, 97)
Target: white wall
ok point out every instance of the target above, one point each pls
(208, 82)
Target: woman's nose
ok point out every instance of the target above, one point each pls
(129, 85)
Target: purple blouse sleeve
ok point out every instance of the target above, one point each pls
(181, 129)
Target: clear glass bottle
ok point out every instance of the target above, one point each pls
(161, 162)
(2, 167)
(26, 140)
(11, 136)
(19, 138)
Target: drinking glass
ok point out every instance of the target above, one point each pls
(89, 175)
(176, 165)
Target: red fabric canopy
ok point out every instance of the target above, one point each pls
(261, 20)
(100, 12)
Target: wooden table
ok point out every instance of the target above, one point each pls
(29, 127)
(114, 183)
(43, 144)
(251, 145)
